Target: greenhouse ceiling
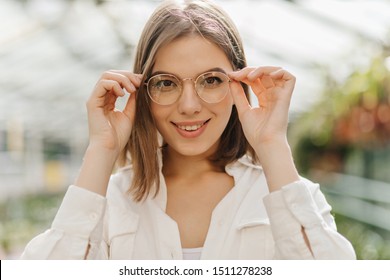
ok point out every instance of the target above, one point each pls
(53, 51)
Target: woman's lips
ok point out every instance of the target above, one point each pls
(191, 129)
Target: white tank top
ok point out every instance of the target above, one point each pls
(192, 253)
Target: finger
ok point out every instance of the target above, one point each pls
(239, 98)
(252, 73)
(109, 86)
(105, 89)
(282, 74)
(267, 82)
(261, 71)
(136, 79)
(284, 79)
(256, 86)
(106, 92)
(242, 74)
(121, 78)
(129, 109)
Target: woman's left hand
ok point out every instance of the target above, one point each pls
(273, 87)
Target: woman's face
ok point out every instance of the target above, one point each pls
(190, 126)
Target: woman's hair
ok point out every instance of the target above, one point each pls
(170, 21)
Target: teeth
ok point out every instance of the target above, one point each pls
(190, 127)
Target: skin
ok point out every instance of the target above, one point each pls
(189, 175)
(190, 108)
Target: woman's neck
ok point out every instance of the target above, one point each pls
(176, 164)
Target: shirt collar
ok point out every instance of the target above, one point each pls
(234, 169)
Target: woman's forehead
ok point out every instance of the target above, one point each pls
(190, 55)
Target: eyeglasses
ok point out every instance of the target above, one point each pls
(166, 89)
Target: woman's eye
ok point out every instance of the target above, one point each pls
(212, 82)
(165, 85)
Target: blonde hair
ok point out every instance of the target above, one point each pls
(172, 20)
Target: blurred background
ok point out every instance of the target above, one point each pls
(52, 52)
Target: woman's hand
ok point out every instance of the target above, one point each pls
(265, 126)
(273, 87)
(109, 128)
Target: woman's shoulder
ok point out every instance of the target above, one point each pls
(244, 162)
(247, 163)
(243, 165)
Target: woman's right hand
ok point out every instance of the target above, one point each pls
(109, 128)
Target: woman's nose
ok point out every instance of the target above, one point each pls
(189, 101)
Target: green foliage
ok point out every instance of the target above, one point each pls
(352, 115)
(370, 243)
(23, 218)
(348, 131)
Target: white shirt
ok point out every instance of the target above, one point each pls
(192, 253)
(248, 223)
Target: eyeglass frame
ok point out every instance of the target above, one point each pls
(181, 85)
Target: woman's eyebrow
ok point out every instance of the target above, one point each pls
(215, 69)
(161, 72)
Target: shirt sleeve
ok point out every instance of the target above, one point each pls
(302, 206)
(76, 232)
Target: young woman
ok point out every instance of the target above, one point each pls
(204, 174)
